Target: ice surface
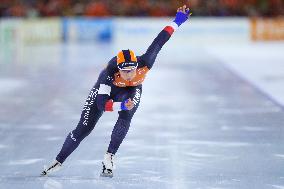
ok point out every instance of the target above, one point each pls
(261, 64)
(199, 124)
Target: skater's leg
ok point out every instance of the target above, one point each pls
(118, 134)
(123, 123)
(89, 117)
(120, 129)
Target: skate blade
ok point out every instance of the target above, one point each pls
(44, 173)
(106, 175)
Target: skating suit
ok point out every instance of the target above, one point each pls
(108, 93)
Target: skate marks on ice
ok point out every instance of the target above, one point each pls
(60, 182)
(130, 181)
(52, 184)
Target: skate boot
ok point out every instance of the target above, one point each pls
(55, 166)
(107, 165)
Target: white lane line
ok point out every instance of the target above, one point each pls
(2, 146)
(278, 187)
(54, 138)
(279, 155)
(89, 162)
(24, 161)
(212, 143)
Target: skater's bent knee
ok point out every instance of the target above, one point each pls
(126, 115)
(124, 122)
(79, 134)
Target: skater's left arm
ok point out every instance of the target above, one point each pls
(183, 13)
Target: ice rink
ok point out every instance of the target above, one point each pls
(209, 118)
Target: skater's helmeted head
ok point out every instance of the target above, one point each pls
(127, 64)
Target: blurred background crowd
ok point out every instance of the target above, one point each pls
(47, 8)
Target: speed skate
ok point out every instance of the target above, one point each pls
(107, 165)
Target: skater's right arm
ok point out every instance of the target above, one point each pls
(104, 90)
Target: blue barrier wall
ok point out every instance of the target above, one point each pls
(87, 30)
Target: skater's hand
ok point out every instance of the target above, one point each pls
(183, 13)
(127, 104)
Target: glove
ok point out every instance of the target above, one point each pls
(182, 15)
(127, 104)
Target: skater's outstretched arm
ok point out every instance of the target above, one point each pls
(149, 57)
